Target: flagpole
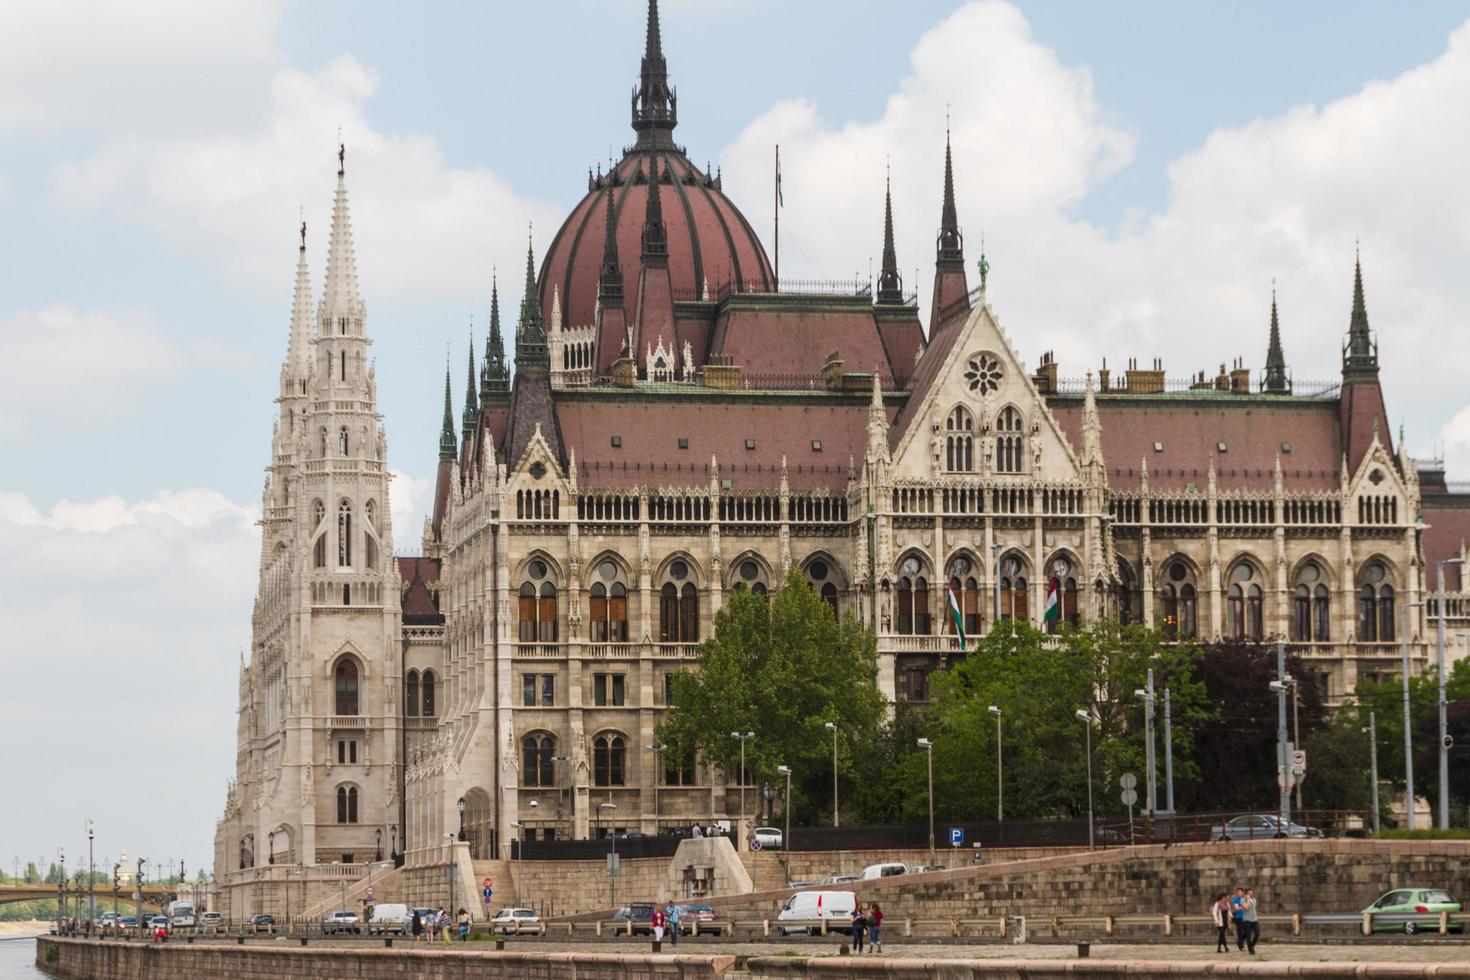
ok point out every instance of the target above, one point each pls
(776, 202)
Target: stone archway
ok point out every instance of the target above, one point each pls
(479, 824)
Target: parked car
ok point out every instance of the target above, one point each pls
(211, 920)
(640, 914)
(1259, 826)
(919, 869)
(800, 884)
(1409, 910)
(158, 922)
(836, 907)
(339, 922)
(516, 921)
(264, 922)
(769, 837)
(390, 917)
(697, 918)
(886, 870)
(838, 879)
(129, 922)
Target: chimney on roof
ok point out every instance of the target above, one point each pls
(1104, 376)
(1046, 374)
(1240, 378)
(832, 371)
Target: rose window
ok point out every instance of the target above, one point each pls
(984, 374)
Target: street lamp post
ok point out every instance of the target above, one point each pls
(658, 764)
(461, 805)
(1147, 694)
(1000, 809)
(743, 737)
(270, 848)
(1444, 737)
(832, 727)
(1408, 723)
(378, 844)
(91, 873)
(1283, 760)
(995, 569)
(612, 862)
(786, 834)
(449, 848)
(1373, 763)
(928, 748)
(61, 891)
(1086, 720)
(1168, 753)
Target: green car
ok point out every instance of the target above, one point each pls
(1409, 910)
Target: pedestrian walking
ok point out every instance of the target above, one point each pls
(859, 927)
(417, 927)
(464, 925)
(1249, 920)
(1220, 915)
(658, 924)
(875, 924)
(1237, 917)
(444, 926)
(672, 915)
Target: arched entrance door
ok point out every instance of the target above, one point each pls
(479, 824)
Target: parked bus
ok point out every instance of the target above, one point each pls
(180, 914)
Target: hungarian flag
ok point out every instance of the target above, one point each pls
(1053, 602)
(956, 614)
(780, 201)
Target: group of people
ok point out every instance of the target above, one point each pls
(667, 918)
(867, 925)
(436, 923)
(1238, 911)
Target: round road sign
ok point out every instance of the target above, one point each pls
(1128, 780)
(1130, 797)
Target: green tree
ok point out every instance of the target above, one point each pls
(781, 667)
(1386, 700)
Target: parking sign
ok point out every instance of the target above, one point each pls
(956, 836)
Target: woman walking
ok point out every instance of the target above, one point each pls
(875, 923)
(1220, 915)
(859, 927)
(417, 927)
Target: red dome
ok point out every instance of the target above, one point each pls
(708, 238)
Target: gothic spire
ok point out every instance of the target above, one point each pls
(471, 406)
(531, 329)
(890, 283)
(1360, 356)
(951, 243)
(655, 102)
(494, 374)
(610, 281)
(1276, 361)
(446, 432)
(298, 357)
(340, 298)
(655, 236)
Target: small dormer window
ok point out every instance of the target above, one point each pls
(683, 442)
(1158, 447)
(750, 444)
(816, 445)
(617, 442)
(1286, 447)
(1220, 447)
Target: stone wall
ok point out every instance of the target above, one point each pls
(1289, 876)
(77, 959)
(855, 968)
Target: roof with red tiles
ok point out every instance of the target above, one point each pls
(1178, 435)
(794, 334)
(419, 605)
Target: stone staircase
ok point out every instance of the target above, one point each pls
(385, 880)
(506, 887)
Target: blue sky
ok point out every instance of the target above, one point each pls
(1141, 172)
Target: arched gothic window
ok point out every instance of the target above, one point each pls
(347, 804)
(1014, 590)
(1243, 604)
(1065, 586)
(678, 606)
(537, 605)
(607, 606)
(1009, 442)
(538, 750)
(820, 576)
(1311, 612)
(1124, 594)
(1178, 602)
(428, 694)
(964, 592)
(749, 571)
(609, 753)
(959, 441)
(344, 534)
(1377, 619)
(411, 694)
(913, 599)
(346, 686)
(342, 442)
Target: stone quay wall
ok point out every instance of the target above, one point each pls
(857, 968)
(79, 959)
(1289, 876)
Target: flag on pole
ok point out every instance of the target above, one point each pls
(780, 201)
(1053, 602)
(956, 614)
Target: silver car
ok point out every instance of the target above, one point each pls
(1259, 826)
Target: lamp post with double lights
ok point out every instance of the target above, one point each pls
(832, 727)
(1086, 719)
(1408, 721)
(1444, 735)
(658, 765)
(612, 857)
(928, 748)
(1000, 808)
(786, 834)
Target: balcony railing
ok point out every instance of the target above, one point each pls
(353, 722)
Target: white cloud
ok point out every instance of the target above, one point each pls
(122, 623)
(61, 363)
(409, 500)
(1283, 197)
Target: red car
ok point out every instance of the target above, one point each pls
(694, 919)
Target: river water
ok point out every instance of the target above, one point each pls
(18, 958)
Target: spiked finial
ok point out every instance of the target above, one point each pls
(1276, 381)
(610, 281)
(340, 300)
(531, 330)
(1360, 356)
(655, 236)
(951, 243)
(471, 406)
(446, 432)
(890, 283)
(655, 103)
(494, 373)
(298, 358)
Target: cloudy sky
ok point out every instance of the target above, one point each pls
(1140, 172)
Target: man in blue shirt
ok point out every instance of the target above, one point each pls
(1237, 916)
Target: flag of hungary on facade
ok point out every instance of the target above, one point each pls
(1053, 602)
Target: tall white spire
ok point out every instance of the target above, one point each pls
(298, 356)
(340, 297)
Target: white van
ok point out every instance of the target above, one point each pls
(389, 918)
(882, 871)
(808, 906)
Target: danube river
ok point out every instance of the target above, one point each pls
(18, 958)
